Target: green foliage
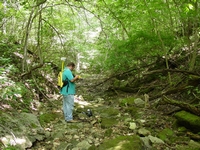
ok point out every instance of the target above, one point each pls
(9, 147)
(108, 132)
(16, 95)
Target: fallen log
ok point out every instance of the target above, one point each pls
(188, 120)
(185, 106)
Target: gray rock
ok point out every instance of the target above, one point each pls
(155, 140)
(143, 132)
(139, 102)
(83, 145)
(122, 143)
(132, 125)
(57, 134)
(63, 146)
(26, 129)
(146, 142)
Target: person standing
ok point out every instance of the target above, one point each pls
(68, 92)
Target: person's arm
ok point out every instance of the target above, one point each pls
(75, 78)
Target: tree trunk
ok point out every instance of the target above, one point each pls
(4, 19)
(28, 27)
(39, 37)
(195, 48)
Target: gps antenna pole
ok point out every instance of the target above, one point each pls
(63, 61)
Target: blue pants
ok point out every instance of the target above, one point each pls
(68, 106)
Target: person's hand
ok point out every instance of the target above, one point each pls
(77, 77)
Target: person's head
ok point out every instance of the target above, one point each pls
(71, 65)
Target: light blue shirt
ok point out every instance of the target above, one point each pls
(70, 88)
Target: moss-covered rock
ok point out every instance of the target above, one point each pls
(47, 118)
(122, 143)
(108, 112)
(25, 126)
(166, 135)
(108, 122)
(191, 146)
(188, 120)
(182, 129)
(127, 101)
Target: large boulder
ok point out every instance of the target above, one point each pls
(188, 120)
(20, 129)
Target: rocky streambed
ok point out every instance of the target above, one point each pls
(116, 124)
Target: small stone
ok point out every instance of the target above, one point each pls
(127, 120)
(93, 122)
(155, 140)
(142, 121)
(139, 102)
(143, 132)
(76, 137)
(82, 116)
(83, 145)
(69, 137)
(97, 144)
(89, 141)
(47, 134)
(132, 125)
(82, 135)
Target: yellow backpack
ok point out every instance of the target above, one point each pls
(60, 81)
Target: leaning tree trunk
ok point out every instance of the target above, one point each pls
(28, 27)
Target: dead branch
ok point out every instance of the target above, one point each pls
(30, 71)
(171, 91)
(172, 70)
(182, 105)
(193, 136)
(122, 73)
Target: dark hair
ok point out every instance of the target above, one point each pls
(71, 64)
